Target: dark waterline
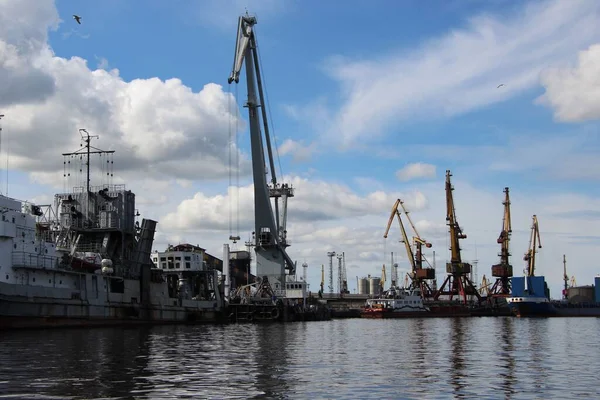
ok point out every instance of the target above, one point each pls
(495, 358)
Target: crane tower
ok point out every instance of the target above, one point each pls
(457, 280)
(504, 270)
(272, 260)
(340, 274)
(331, 254)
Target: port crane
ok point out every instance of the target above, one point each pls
(344, 287)
(342, 281)
(534, 243)
(457, 278)
(272, 260)
(485, 286)
(418, 274)
(504, 270)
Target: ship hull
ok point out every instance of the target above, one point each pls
(35, 307)
(531, 307)
(438, 311)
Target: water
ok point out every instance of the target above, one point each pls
(483, 358)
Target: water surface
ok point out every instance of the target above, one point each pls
(483, 358)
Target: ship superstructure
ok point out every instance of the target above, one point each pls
(89, 262)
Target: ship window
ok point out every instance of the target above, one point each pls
(188, 265)
(177, 265)
(164, 265)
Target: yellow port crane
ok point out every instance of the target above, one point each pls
(534, 243)
(418, 274)
(503, 271)
(485, 286)
(457, 280)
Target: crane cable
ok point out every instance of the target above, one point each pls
(233, 145)
(270, 116)
(229, 165)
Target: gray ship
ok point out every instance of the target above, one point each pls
(86, 261)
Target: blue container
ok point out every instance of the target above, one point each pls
(517, 286)
(537, 286)
(597, 289)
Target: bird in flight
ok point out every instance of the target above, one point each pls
(500, 85)
(77, 18)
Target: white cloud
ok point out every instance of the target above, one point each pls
(459, 72)
(161, 127)
(574, 93)
(298, 150)
(336, 219)
(416, 170)
(314, 200)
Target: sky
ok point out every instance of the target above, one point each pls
(368, 103)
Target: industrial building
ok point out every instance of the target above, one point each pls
(187, 257)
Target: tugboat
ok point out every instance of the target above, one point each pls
(396, 303)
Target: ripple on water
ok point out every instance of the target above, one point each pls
(343, 359)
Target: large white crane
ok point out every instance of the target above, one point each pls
(272, 260)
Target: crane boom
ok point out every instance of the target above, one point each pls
(503, 271)
(417, 240)
(534, 243)
(457, 279)
(409, 252)
(456, 232)
(272, 259)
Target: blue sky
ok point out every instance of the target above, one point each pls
(357, 91)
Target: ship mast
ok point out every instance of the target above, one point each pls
(87, 149)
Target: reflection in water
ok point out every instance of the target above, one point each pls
(420, 358)
(457, 360)
(86, 363)
(536, 341)
(507, 356)
(271, 360)
(442, 358)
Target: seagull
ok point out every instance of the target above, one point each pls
(77, 18)
(500, 85)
